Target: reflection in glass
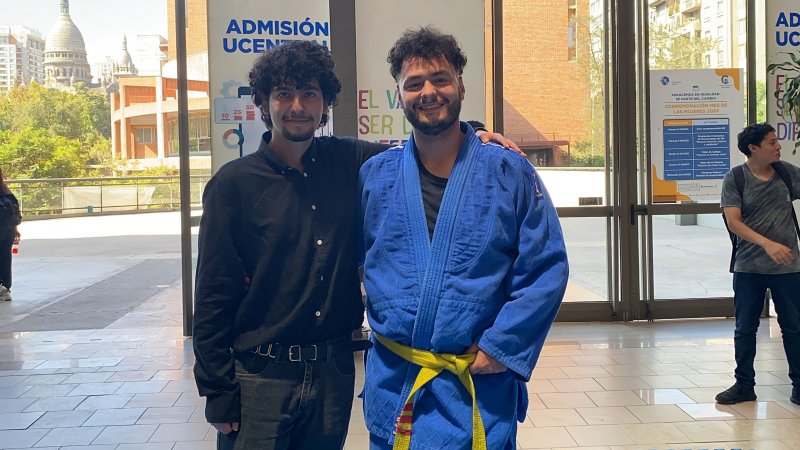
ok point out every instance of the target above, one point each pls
(691, 261)
(553, 81)
(585, 238)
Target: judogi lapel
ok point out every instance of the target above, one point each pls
(431, 256)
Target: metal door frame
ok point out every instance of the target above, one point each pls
(646, 305)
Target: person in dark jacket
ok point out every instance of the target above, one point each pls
(9, 219)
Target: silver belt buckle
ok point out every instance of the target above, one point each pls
(296, 353)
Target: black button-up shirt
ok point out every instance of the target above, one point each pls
(293, 234)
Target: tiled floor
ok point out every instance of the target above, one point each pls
(128, 385)
(597, 386)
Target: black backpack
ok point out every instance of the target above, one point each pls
(738, 178)
(10, 215)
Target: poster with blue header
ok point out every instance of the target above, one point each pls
(238, 32)
(783, 73)
(695, 115)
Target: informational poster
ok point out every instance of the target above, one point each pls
(695, 115)
(380, 117)
(783, 57)
(238, 31)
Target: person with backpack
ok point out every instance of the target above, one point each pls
(757, 206)
(10, 217)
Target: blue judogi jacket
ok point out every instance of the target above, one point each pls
(494, 273)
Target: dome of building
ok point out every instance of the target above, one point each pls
(64, 35)
(65, 61)
(123, 65)
(124, 58)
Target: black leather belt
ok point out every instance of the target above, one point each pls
(326, 351)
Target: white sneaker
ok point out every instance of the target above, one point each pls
(5, 294)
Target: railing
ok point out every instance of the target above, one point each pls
(71, 196)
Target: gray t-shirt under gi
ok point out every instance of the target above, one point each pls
(766, 211)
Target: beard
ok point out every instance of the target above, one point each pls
(301, 136)
(435, 127)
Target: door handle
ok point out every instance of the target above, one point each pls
(637, 210)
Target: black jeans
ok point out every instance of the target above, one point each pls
(749, 290)
(292, 405)
(6, 241)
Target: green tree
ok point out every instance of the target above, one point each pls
(46, 133)
(40, 153)
(670, 49)
(589, 150)
(761, 101)
(586, 154)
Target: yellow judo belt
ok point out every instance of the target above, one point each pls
(432, 365)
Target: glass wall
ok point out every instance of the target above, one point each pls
(585, 238)
(691, 261)
(553, 87)
(554, 106)
(690, 252)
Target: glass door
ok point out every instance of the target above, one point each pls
(629, 111)
(552, 97)
(692, 83)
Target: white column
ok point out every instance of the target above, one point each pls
(114, 138)
(123, 125)
(160, 117)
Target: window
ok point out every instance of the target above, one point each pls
(720, 32)
(572, 51)
(742, 26)
(143, 135)
(199, 136)
(720, 58)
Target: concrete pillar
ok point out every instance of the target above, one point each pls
(114, 139)
(160, 135)
(123, 133)
(123, 125)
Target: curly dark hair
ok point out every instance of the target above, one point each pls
(294, 63)
(425, 43)
(753, 134)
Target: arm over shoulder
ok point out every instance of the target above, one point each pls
(366, 150)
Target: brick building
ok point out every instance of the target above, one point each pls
(546, 83)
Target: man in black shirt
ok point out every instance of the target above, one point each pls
(277, 288)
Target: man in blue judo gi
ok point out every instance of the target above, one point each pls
(465, 268)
